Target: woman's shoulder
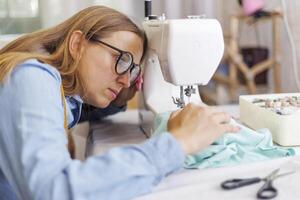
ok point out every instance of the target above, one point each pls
(30, 81)
(35, 68)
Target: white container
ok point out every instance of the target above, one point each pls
(284, 128)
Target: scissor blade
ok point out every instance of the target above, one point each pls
(272, 174)
(283, 174)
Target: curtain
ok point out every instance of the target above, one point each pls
(220, 9)
(61, 10)
(182, 8)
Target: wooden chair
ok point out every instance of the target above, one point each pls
(235, 59)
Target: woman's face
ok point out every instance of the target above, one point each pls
(97, 67)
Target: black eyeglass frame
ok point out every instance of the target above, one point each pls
(131, 66)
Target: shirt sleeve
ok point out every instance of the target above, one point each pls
(38, 162)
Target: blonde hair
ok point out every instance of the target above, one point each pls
(51, 45)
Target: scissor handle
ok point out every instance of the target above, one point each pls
(267, 191)
(236, 183)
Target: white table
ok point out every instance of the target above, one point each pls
(123, 128)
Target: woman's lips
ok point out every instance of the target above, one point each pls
(114, 93)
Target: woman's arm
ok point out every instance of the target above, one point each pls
(36, 161)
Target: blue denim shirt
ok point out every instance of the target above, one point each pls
(34, 160)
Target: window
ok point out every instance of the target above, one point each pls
(19, 16)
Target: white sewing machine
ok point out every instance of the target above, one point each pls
(182, 54)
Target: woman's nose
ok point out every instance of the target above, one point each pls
(124, 79)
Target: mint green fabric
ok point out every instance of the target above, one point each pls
(232, 148)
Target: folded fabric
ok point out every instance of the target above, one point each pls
(232, 148)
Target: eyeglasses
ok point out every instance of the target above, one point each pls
(124, 62)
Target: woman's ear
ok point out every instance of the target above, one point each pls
(76, 44)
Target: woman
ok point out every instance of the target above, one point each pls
(46, 75)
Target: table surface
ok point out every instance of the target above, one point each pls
(123, 129)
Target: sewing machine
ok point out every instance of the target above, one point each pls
(182, 54)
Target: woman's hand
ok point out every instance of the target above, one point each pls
(196, 127)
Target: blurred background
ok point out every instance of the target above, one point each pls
(261, 37)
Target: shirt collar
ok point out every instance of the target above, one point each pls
(74, 111)
(77, 98)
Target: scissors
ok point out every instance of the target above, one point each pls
(267, 191)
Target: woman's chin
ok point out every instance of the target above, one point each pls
(104, 103)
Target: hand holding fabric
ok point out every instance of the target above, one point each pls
(196, 127)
